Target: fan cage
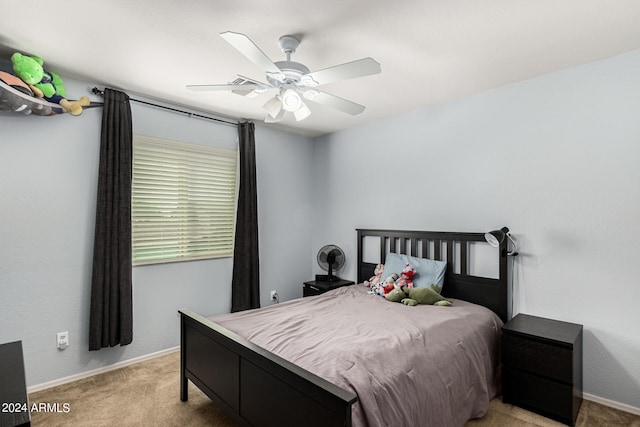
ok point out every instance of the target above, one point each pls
(323, 260)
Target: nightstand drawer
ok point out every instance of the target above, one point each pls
(317, 287)
(545, 359)
(546, 397)
(311, 290)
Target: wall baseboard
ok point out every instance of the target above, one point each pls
(124, 363)
(612, 404)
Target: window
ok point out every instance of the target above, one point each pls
(183, 201)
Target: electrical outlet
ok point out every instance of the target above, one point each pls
(274, 296)
(63, 339)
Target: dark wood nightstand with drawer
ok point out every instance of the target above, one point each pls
(317, 287)
(542, 366)
(13, 389)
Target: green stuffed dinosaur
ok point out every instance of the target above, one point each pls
(415, 296)
(45, 84)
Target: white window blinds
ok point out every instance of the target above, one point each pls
(183, 201)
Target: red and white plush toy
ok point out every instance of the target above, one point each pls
(406, 277)
(376, 278)
(389, 284)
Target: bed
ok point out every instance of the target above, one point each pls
(376, 363)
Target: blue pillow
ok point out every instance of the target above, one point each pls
(394, 263)
(428, 272)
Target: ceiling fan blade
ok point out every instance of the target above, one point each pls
(245, 46)
(204, 88)
(360, 68)
(338, 103)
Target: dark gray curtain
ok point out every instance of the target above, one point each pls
(245, 286)
(111, 316)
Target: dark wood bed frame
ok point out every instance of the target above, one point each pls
(255, 387)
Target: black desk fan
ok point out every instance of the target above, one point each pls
(331, 258)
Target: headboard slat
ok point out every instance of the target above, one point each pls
(463, 258)
(414, 247)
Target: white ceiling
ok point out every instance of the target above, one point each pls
(430, 51)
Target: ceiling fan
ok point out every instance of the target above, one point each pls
(293, 80)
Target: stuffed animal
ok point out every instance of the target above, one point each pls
(429, 296)
(45, 84)
(377, 277)
(415, 296)
(396, 295)
(389, 284)
(406, 277)
(382, 288)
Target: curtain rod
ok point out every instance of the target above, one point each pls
(97, 91)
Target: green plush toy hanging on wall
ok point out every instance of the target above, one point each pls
(45, 84)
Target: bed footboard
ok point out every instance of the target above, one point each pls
(253, 386)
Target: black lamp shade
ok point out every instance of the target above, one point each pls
(496, 237)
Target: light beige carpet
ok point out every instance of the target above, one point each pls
(147, 394)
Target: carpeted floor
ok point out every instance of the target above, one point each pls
(147, 394)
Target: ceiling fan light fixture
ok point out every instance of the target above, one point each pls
(273, 107)
(276, 119)
(302, 113)
(310, 94)
(290, 100)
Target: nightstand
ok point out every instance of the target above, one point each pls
(317, 287)
(542, 366)
(13, 390)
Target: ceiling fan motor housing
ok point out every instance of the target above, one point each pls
(292, 71)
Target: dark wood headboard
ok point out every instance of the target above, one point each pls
(444, 246)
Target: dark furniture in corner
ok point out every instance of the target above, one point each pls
(258, 388)
(542, 366)
(317, 287)
(13, 389)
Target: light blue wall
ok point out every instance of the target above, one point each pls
(555, 159)
(48, 171)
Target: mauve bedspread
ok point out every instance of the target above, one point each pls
(409, 366)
